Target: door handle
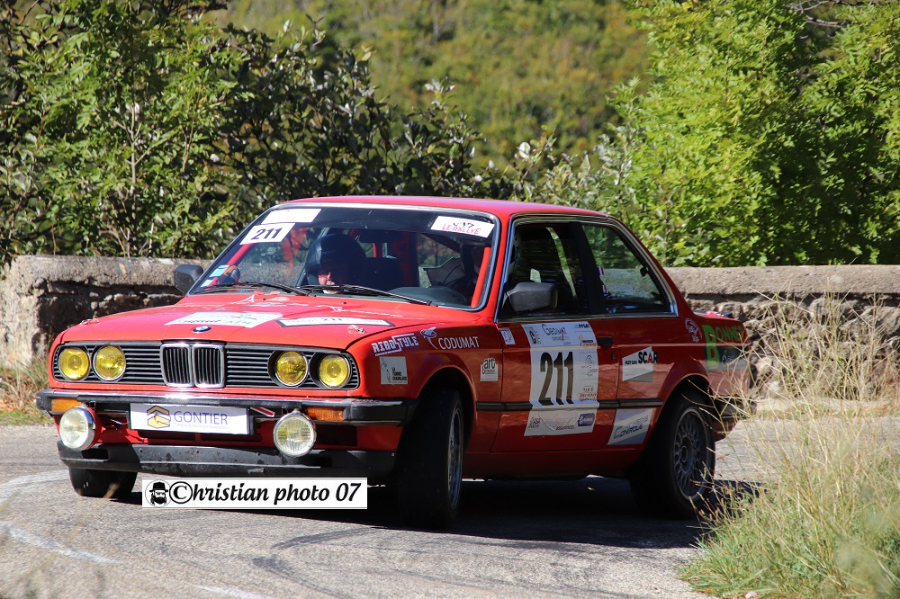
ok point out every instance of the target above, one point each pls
(604, 341)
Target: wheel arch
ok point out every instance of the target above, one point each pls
(688, 384)
(451, 376)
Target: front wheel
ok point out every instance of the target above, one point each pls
(674, 476)
(431, 460)
(102, 483)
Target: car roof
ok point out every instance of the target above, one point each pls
(502, 208)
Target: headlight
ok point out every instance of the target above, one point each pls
(77, 429)
(294, 435)
(109, 363)
(291, 368)
(334, 371)
(74, 363)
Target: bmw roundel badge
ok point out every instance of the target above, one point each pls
(202, 329)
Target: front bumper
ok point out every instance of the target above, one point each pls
(358, 411)
(179, 460)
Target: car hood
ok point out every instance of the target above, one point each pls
(333, 322)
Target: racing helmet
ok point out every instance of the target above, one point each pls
(335, 248)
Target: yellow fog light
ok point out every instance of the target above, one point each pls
(291, 368)
(109, 363)
(334, 371)
(74, 363)
(294, 435)
(77, 428)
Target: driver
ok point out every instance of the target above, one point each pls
(334, 259)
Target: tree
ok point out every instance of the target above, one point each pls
(140, 128)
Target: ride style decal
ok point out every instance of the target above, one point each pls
(630, 427)
(638, 367)
(228, 319)
(563, 363)
(393, 371)
(395, 344)
(554, 422)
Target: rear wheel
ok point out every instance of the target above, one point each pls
(102, 483)
(675, 474)
(430, 463)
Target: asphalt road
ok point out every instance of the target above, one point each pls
(536, 539)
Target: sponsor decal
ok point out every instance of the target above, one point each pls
(560, 334)
(291, 215)
(716, 335)
(630, 426)
(393, 371)
(508, 338)
(468, 342)
(694, 330)
(262, 493)
(272, 233)
(638, 367)
(560, 421)
(489, 370)
(189, 419)
(395, 344)
(329, 320)
(450, 224)
(230, 319)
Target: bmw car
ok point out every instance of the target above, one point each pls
(415, 342)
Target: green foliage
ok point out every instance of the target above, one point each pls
(113, 130)
(766, 142)
(521, 65)
(768, 136)
(142, 129)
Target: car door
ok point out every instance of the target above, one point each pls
(640, 315)
(557, 368)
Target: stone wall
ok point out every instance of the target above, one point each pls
(40, 296)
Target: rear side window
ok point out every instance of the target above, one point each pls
(629, 284)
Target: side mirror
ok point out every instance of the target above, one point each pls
(529, 296)
(186, 275)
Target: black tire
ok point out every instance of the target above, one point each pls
(674, 475)
(429, 470)
(102, 483)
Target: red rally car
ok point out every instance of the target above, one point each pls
(413, 341)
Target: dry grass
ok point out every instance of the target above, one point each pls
(827, 520)
(18, 390)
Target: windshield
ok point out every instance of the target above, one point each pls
(432, 256)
